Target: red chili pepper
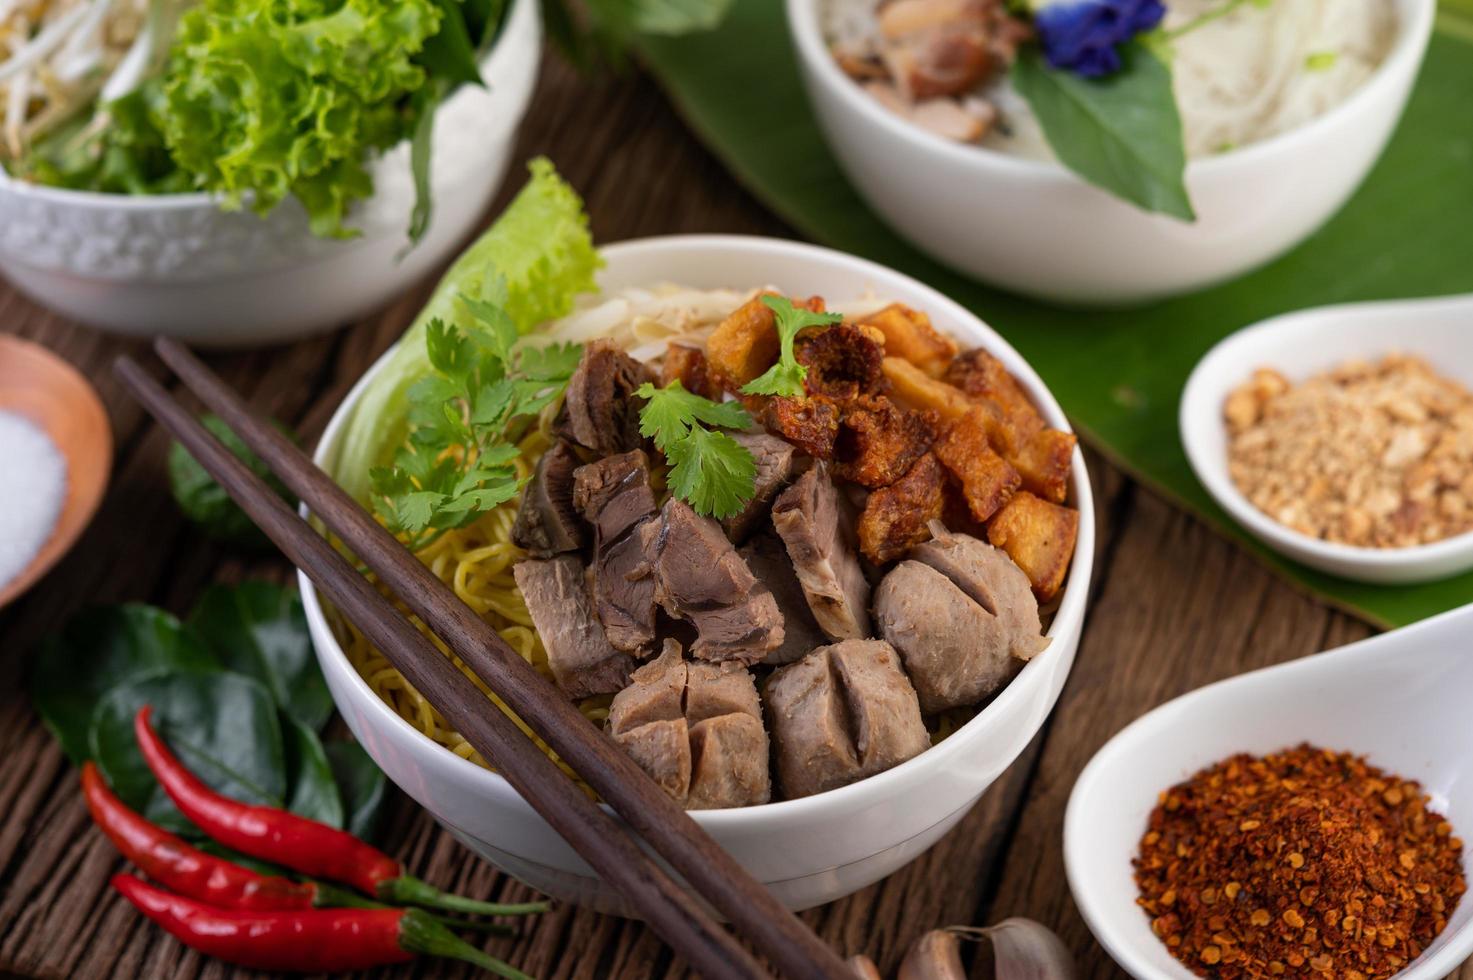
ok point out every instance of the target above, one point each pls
(295, 842)
(310, 941)
(173, 863)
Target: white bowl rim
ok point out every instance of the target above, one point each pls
(807, 36)
(1126, 955)
(1196, 399)
(67, 196)
(1068, 618)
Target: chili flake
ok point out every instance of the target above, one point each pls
(1305, 863)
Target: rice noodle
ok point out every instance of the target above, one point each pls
(1261, 70)
(1254, 73)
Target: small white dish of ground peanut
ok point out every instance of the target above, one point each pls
(1343, 436)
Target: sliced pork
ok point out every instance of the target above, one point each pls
(614, 496)
(777, 461)
(600, 410)
(547, 523)
(962, 616)
(843, 712)
(819, 533)
(696, 728)
(583, 661)
(700, 578)
(767, 557)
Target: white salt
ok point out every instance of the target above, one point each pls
(32, 490)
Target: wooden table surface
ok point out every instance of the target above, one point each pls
(1173, 607)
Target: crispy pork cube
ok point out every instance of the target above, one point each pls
(745, 344)
(696, 729)
(811, 424)
(558, 599)
(914, 388)
(843, 360)
(896, 517)
(984, 378)
(1043, 464)
(909, 334)
(1039, 536)
(987, 479)
(879, 441)
(810, 705)
(962, 617)
(687, 364)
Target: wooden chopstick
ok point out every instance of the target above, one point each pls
(710, 870)
(607, 846)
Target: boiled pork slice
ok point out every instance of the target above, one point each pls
(818, 530)
(962, 616)
(777, 461)
(614, 496)
(767, 557)
(696, 728)
(844, 712)
(700, 578)
(583, 661)
(547, 522)
(600, 410)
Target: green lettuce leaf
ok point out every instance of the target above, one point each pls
(265, 99)
(531, 263)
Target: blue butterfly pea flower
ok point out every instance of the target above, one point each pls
(1082, 35)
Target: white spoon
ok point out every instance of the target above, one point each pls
(1401, 699)
(1309, 342)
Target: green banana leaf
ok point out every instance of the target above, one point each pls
(1408, 232)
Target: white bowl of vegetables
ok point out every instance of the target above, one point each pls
(140, 215)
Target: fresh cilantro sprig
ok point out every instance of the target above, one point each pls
(786, 377)
(709, 469)
(459, 461)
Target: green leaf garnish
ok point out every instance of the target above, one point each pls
(459, 460)
(711, 471)
(1121, 133)
(787, 375)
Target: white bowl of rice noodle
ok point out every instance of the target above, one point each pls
(1285, 108)
(809, 850)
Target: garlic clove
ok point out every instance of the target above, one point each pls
(1021, 950)
(935, 956)
(864, 968)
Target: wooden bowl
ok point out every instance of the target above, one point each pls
(51, 393)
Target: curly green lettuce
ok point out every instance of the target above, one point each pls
(532, 263)
(265, 99)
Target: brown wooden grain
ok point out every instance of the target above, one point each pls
(1174, 607)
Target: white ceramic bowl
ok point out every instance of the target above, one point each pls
(1303, 344)
(812, 850)
(1034, 227)
(1400, 699)
(178, 265)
